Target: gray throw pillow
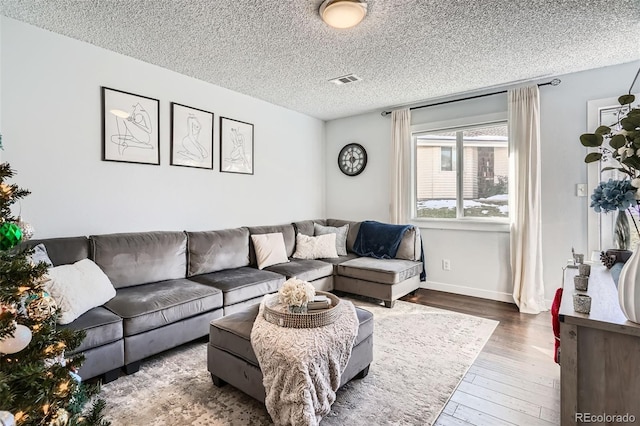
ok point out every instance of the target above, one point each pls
(341, 236)
(40, 255)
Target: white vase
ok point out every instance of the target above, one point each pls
(629, 287)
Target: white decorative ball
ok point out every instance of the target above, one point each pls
(7, 419)
(26, 228)
(19, 341)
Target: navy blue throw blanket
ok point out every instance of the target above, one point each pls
(381, 241)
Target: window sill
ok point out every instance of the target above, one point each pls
(462, 224)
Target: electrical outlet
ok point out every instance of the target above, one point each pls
(446, 264)
(581, 189)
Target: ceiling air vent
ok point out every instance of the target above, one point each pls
(345, 79)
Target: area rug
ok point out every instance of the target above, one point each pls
(420, 354)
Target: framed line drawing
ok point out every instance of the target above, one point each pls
(236, 146)
(191, 137)
(130, 127)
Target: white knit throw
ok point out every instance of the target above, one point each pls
(302, 366)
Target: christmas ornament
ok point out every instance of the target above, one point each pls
(75, 376)
(61, 418)
(10, 235)
(40, 306)
(6, 419)
(60, 359)
(5, 190)
(19, 341)
(7, 308)
(26, 228)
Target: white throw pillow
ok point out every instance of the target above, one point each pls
(77, 288)
(320, 247)
(40, 255)
(270, 249)
(340, 232)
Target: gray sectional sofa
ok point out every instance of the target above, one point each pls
(170, 285)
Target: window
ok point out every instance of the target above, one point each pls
(447, 158)
(462, 172)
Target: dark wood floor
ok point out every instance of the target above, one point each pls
(514, 380)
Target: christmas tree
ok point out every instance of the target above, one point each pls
(38, 384)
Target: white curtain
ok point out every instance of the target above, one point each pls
(524, 194)
(400, 166)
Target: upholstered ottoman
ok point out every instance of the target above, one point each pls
(230, 356)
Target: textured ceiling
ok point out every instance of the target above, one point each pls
(405, 51)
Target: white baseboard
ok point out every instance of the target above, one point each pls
(468, 291)
(475, 292)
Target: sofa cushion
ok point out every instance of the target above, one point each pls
(240, 284)
(211, 251)
(77, 288)
(233, 333)
(315, 247)
(335, 261)
(303, 269)
(384, 271)
(287, 231)
(137, 258)
(63, 251)
(101, 325)
(306, 227)
(341, 236)
(269, 249)
(149, 306)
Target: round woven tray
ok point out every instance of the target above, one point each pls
(279, 314)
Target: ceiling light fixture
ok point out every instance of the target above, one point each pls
(343, 13)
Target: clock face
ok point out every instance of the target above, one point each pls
(352, 159)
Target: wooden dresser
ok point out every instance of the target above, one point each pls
(600, 355)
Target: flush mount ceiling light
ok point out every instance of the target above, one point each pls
(343, 13)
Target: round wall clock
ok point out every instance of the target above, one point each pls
(352, 159)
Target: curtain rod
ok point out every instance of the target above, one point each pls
(554, 82)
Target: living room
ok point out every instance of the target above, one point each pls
(50, 119)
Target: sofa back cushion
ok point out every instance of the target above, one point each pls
(306, 227)
(136, 258)
(288, 233)
(410, 246)
(63, 251)
(211, 251)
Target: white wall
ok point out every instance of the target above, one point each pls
(564, 119)
(52, 132)
(480, 258)
(365, 195)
